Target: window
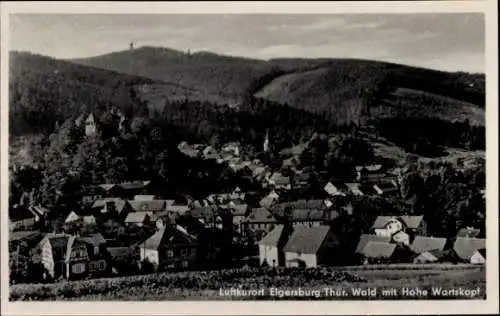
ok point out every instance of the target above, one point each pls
(193, 251)
(78, 268)
(102, 265)
(184, 252)
(185, 264)
(171, 266)
(96, 250)
(170, 253)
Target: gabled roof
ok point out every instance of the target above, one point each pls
(19, 213)
(280, 179)
(261, 215)
(307, 215)
(94, 239)
(422, 244)
(148, 206)
(307, 239)
(273, 237)
(205, 212)
(107, 187)
(118, 203)
(168, 235)
(466, 247)
(376, 249)
(267, 201)
(72, 217)
(138, 217)
(468, 232)
(365, 238)
(411, 222)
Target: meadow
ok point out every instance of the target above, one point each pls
(389, 281)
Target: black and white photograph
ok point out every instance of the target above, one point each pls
(247, 157)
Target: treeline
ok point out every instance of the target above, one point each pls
(428, 136)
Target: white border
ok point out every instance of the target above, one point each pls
(489, 7)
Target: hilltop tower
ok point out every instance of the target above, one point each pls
(131, 45)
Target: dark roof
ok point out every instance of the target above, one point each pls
(147, 206)
(273, 237)
(166, 235)
(376, 249)
(465, 247)
(422, 244)
(307, 239)
(118, 253)
(365, 238)
(205, 212)
(307, 215)
(19, 213)
(94, 239)
(468, 232)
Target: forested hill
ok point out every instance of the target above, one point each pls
(46, 91)
(343, 90)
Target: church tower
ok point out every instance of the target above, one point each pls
(266, 142)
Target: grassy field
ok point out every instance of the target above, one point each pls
(339, 283)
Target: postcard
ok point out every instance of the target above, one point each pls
(249, 158)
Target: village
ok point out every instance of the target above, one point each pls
(129, 228)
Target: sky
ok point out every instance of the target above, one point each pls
(444, 41)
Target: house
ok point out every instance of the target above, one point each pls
(89, 219)
(62, 256)
(354, 189)
(133, 188)
(465, 248)
(269, 200)
(389, 225)
(386, 188)
(124, 260)
(333, 190)
(239, 213)
(401, 238)
(115, 207)
(97, 253)
(280, 182)
(307, 217)
(271, 246)
(423, 244)
(206, 215)
(468, 232)
(171, 247)
(302, 179)
(22, 218)
(150, 206)
(365, 238)
(260, 219)
(479, 256)
(139, 219)
(378, 252)
(210, 153)
(232, 148)
(188, 150)
(369, 173)
(90, 125)
(310, 247)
